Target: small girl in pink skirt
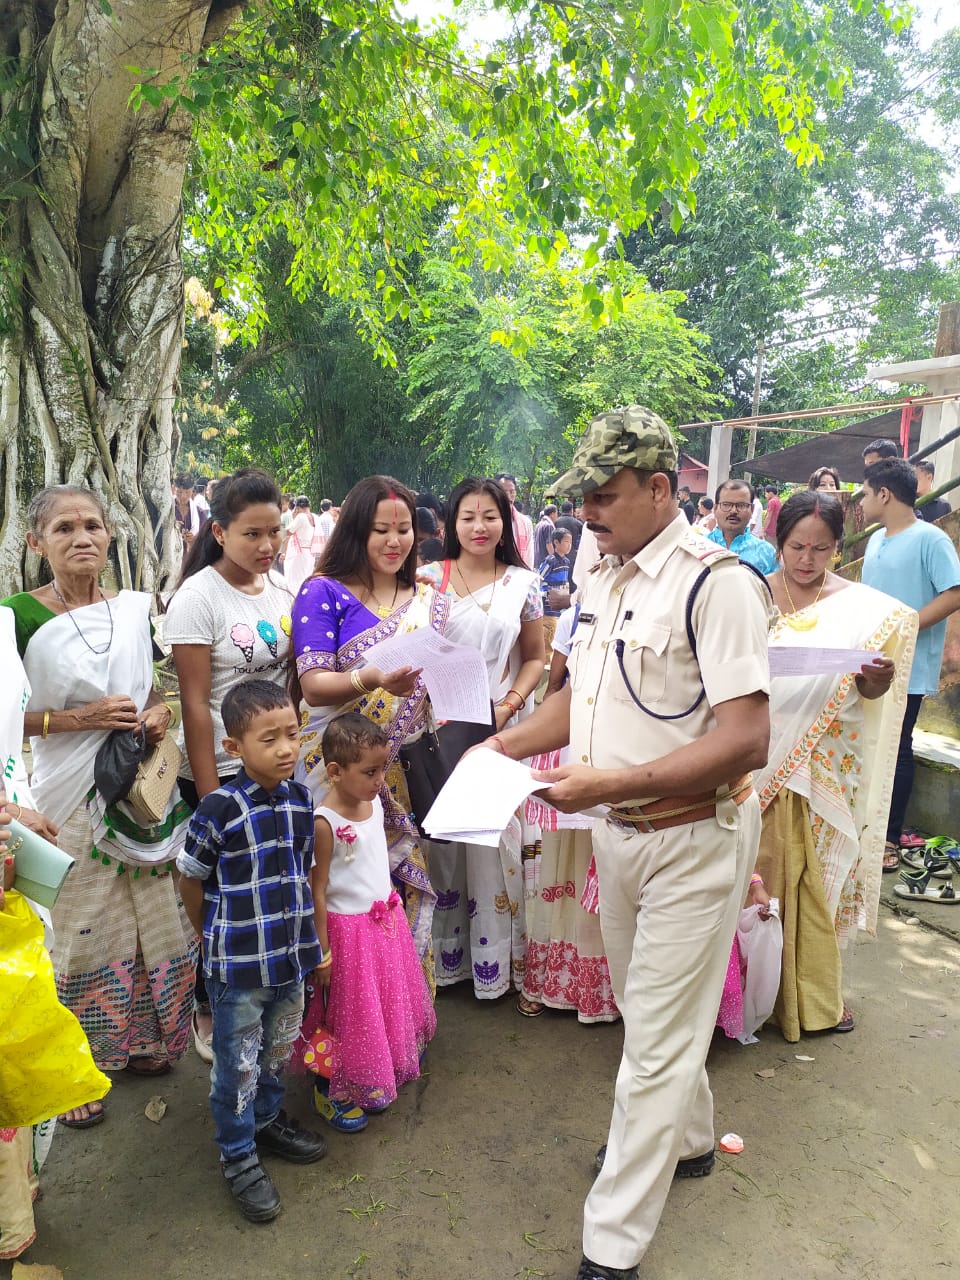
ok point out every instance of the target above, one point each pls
(370, 993)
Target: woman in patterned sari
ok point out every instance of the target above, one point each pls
(363, 592)
(124, 950)
(826, 787)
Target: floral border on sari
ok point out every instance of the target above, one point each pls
(804, 748)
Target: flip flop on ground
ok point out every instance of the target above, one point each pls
(84, 1117)
(891, 857)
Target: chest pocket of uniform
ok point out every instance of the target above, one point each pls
(577, 661)
(644, 662)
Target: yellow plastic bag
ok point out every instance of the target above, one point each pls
(45, 1062)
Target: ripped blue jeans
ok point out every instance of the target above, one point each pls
(253, 1034)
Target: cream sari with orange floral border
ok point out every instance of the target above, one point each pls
(825, 794)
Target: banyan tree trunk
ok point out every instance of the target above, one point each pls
(92, 319)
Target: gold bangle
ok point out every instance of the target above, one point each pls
(357, 682)
(523, 701)
(14, 804)
(46, 724)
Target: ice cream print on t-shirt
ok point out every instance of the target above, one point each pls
(245, 639)
(268, 634)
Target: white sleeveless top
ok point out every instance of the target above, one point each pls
(359, 868)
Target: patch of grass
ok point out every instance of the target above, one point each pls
(454, 1216)
(370, 1209)
(532, 1240)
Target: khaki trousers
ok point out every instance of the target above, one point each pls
(669, 905)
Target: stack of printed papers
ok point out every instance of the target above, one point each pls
(455, 674)
(480, 797)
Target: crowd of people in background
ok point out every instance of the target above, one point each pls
(288, 906)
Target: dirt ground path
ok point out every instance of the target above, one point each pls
(479, 1171)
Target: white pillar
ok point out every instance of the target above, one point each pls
(718, 467)
(941, 377)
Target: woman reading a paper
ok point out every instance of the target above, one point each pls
(826, 787)
(479, 925)
(364, 592)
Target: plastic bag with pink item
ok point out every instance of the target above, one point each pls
(761, 951)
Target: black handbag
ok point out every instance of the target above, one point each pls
(115, 768)
(429, 762)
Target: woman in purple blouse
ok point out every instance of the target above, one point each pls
(363, 592)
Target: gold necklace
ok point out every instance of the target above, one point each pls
(384, 610)
(484, 607)
(802, 624)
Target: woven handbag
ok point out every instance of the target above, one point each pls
(152, 788)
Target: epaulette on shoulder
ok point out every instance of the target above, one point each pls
(707, 552)
(594, 568)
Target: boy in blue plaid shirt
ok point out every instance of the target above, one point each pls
(244, 883)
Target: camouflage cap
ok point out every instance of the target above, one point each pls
(630, 437)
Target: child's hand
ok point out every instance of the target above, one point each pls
(322, 976)
(757, 896)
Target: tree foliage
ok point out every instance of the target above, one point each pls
(836, 265)
(343, 133)
(351, 131)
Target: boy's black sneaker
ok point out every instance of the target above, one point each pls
(250, 1185)
(285, 1138)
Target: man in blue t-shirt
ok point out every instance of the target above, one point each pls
(734, 506)
(918, 564)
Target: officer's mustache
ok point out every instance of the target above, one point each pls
(597, 528)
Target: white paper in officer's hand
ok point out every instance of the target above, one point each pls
(480, 797)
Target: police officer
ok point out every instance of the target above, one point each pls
(666, 734)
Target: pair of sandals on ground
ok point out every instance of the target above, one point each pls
(926, 867)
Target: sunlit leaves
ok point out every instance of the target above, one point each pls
(367, 133)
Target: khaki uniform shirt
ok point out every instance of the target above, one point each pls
(643, 603)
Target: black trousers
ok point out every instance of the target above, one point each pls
(903, 776)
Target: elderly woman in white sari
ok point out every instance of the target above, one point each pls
(826, 787)
(124, 950)
(479, 923)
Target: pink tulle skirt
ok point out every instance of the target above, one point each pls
(378, 1008)
(730, 1016)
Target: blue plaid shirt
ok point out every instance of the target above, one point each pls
(253, 849)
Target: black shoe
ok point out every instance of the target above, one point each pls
(286, 1139)
(692, 1167)
(696, 1166)
(256, 1196)
(594, 1271)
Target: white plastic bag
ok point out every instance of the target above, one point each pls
(761, 951)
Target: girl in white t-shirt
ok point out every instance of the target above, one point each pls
(227, 621)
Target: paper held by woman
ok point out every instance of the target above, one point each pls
(455, 674)
(798, 660)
